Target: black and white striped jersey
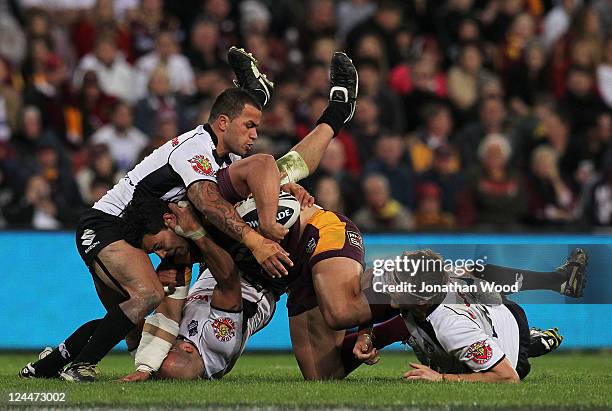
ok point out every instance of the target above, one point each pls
(168, 171)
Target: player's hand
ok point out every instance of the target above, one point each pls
(422, 372)
(167, 277)
(364, 350)
(274, 231)
(137, 376)
(185, 217)
(269, 254)
(300, 193)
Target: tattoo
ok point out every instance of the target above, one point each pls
(206, 197)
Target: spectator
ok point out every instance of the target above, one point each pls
(366, 127)
(391, 161)
(333, 164)
(436, 132)
(328, 194)
(495, 194)
(557, 21)
(124, 141)
(525, 81)
(167, 55)
(446, 174)
(101, 19)
(95, 105)
(551, 200)
(51, 93)
(158, 102)
(147, 21)
(492, 119)
(381, 212)
(10, 103)
(581, 103)
(429, 215)
(36, 209)
(116, 76)
(466, 77)
(598, 209)
(390, 106)
(101, 168)
(604, 74)
(205, 50)
(351, 13)
(29, 137)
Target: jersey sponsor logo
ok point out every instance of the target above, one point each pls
(175, 142)
(480, 352)
(88, 237)
(201, 165)
(192, 328)
(224, 329)
(355, 239)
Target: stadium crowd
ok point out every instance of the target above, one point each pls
(472, 114)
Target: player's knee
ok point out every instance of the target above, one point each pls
(264, 162)
(337, 318)
(149, 298)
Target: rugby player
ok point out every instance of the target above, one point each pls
(188, 166)
(456, 335)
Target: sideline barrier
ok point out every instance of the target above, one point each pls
(47, 292)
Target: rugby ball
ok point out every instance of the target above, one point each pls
(287, 215)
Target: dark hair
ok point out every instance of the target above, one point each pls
(143, 216)
(231, 103)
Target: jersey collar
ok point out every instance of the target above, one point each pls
(220, 160)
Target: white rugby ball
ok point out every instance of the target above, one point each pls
(287, 215)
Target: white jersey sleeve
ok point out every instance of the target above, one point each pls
(463, 338)
(194, 161)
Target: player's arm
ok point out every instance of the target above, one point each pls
(227, 294)
(205, 196)
(503, 372)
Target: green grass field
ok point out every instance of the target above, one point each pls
(557, 381)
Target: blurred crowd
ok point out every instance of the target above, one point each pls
(491, 115)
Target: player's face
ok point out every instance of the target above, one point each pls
(166, 243)
(241, 132)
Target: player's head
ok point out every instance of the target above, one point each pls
(235, 116)
(149, 224)
(424, 269)
(183, 362)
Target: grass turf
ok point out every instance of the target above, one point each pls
(271, 380)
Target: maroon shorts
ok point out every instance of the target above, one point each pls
(327, 235)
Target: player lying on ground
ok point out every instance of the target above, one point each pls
(459, 336)
(221, 311)
(187, 166)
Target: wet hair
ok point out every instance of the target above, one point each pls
(141, 217)
(231, 102)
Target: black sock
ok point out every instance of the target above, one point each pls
(112, 329)
(63, 354)
(531, 280)
(334, 115)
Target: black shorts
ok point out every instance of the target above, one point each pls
(95, 231)
(522, 365)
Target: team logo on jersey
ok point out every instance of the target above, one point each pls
(224, 328)
(201, 165)
(192, 328)
(480, 352)
(175, 142)
(355, 239)
(311, 246)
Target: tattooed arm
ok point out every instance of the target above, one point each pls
(205, 196)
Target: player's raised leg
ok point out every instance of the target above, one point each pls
(304, 157)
